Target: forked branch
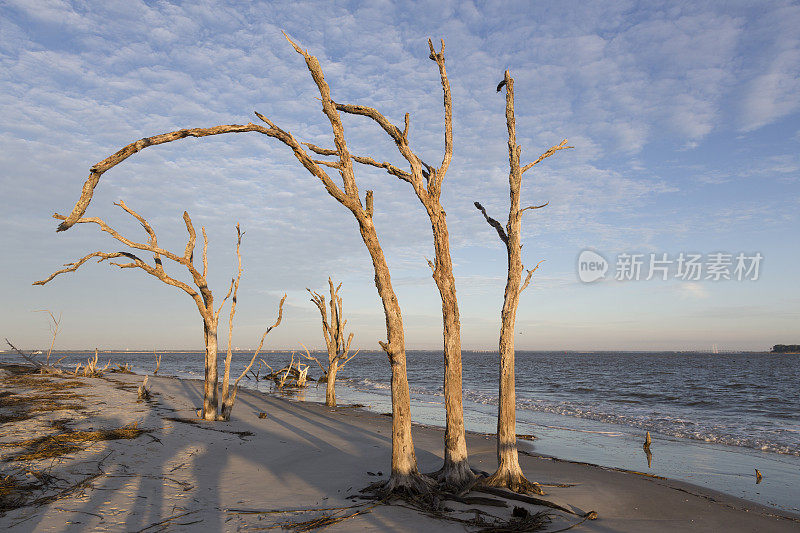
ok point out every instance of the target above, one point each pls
(552, 150)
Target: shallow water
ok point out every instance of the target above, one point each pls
(714, 418)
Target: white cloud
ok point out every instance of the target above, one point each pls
(620, 81)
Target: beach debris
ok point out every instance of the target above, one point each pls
(90, 369)
(143, 393)
(61, 444)
(123, 368)
(590, 515)
(646, 448)
(31, 359)
(158, 362)
(759, 477)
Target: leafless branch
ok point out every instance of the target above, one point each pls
(264, 336)
(534, 207)
(312, 358)
(550, 151)
(125, 152)
(529, 276)
(493, 223)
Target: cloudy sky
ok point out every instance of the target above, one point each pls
(685, 119)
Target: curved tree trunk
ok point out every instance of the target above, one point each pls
(211, 378)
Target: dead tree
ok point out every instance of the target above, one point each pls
(426, 181)
(228, 392)
(333, 332)
(509, 474)
(201, 295)
(55, 329)
(405, 475)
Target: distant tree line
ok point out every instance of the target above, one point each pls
(786, 348)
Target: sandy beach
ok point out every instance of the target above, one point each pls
(163, 470)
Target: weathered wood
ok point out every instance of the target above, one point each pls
(333, 333)
(201, 294)
(509, 474)
(404, 465)
(426, 182)
(405, 475)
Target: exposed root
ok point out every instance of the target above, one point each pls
(590, 515)
(416, 489)
(513, 481)
(457, 478)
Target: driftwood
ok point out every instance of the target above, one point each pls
(201, 295)
(291, 372)
(158, 362)
(90, 369)
(41, 367)
(509, 474)
(143, 393)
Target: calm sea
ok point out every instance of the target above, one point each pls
(714, 417)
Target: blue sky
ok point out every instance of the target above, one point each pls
(685, 119)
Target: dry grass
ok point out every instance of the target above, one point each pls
(67, 442)
(14, 492)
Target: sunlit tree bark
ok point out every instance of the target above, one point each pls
(200, 293)
(509, 474)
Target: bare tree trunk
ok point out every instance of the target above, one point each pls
(330, 386)
(333, 333)
(426, 181)
(509, 474)
(203, 297)
(210, 403)
(229, 392)
(404, 460)
(455, 472)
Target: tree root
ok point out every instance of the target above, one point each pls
(591, 515)
(415, 488)
(513, 481)
(457, 478)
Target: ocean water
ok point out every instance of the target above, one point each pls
(714, 418)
